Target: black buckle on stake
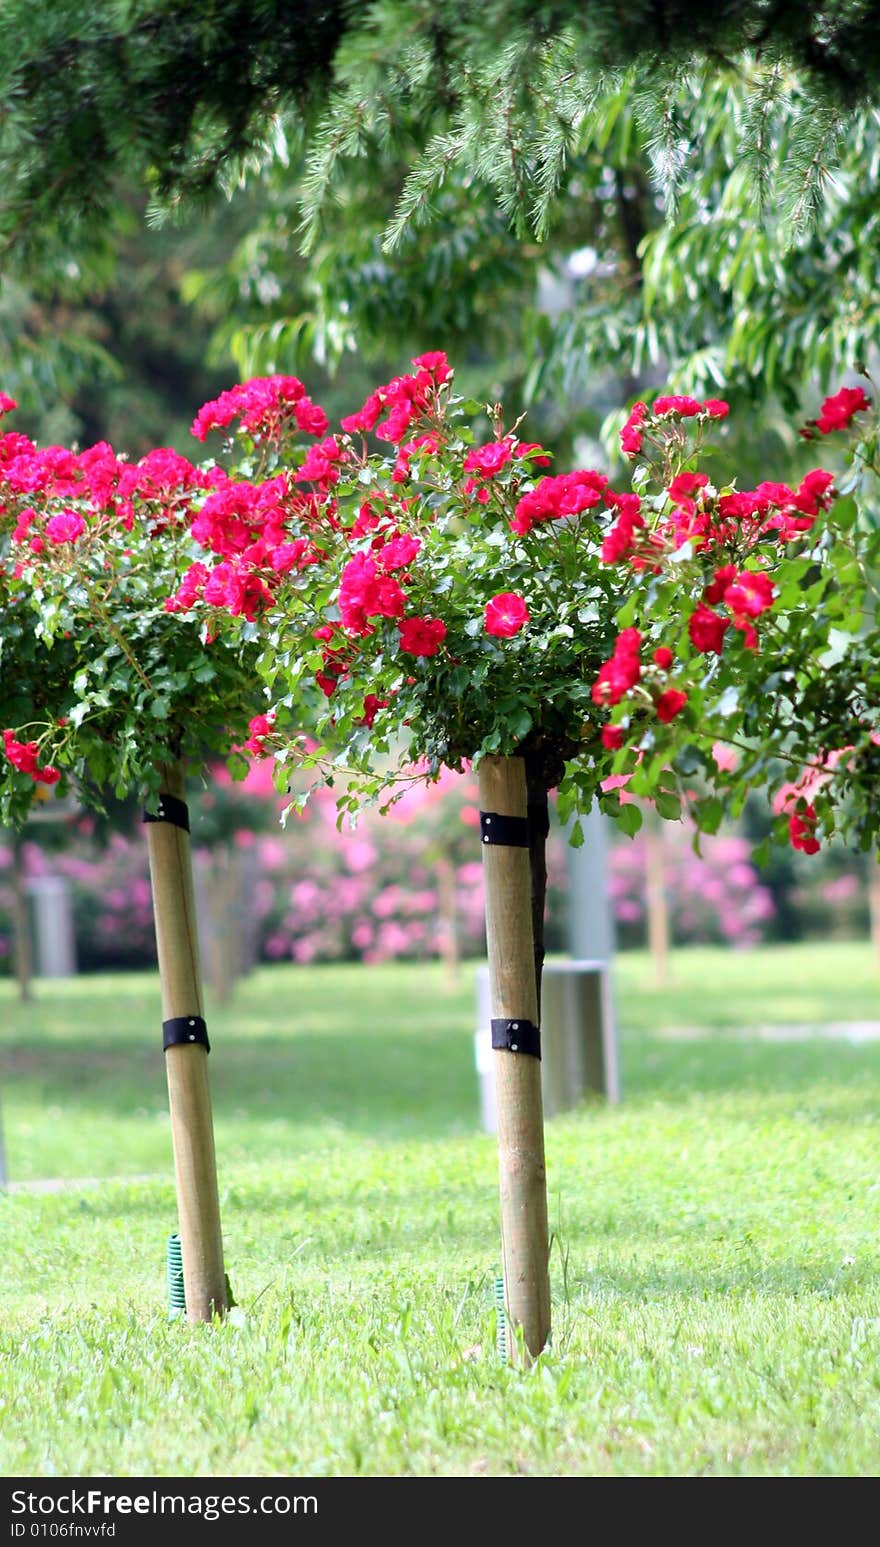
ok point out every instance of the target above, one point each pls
(185, 1031)
(513, 831)
(516, 1036)
(170, 809)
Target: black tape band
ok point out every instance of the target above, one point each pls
(513, 831)
(185, 1031)
(539, 819)
(517, 1037)
(171, 810)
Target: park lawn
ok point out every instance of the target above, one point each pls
(715, 1237)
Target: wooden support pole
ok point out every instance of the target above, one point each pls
(520, 1118)
(186, 1066)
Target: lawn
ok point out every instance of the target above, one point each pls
(714, 1260)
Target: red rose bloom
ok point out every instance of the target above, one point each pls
(612, 737)
(422, 636)
(621, 672)
(750, 594)
(488, 460)
(630, 435)
(714, 592)
(802, 830)
(837, 411)
(505, 615)
(663, 657)
(706, 629)
(669, 704)
(687, 483)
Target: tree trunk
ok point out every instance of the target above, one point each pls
(538, 811)
(186, 1053)
(515, 1038)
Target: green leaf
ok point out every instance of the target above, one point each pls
(708, 814)
(628, 818)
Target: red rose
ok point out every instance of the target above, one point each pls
(488, 460)
(687, 483)
(714, 592)
(750, 594)
(802, 830)
(612, 737)
(630, 436)
(422, 636)
(505, 615)
(663, 657)
(707, 629)
(837, 411)
(669, 704)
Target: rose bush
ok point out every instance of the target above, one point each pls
(410, 593)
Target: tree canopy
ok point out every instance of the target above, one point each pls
(183, 95)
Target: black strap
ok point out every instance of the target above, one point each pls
(517, 1037)
(185, 1031)
(170, 809)
(513, 831)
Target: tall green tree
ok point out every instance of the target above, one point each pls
(183, 94)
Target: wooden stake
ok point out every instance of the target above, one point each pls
(189, 1094)
(520, 1118)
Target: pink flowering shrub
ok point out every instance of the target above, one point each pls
(713, 898)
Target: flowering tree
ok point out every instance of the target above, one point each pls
(103, 683)
(417, 592)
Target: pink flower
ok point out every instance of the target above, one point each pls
(567, 495)
(505, 615)
(364, 592)
(435, 363)
(399, 551)
(750, 594)
(630, 435)
(621, 672)
(686, 484)
(663, 657)
(66, 527)
(726, 760)
(683, 407)
(488, 460)
(7, 403)
(422, 636)
(258, 729)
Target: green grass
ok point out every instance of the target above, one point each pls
(715, 1255)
